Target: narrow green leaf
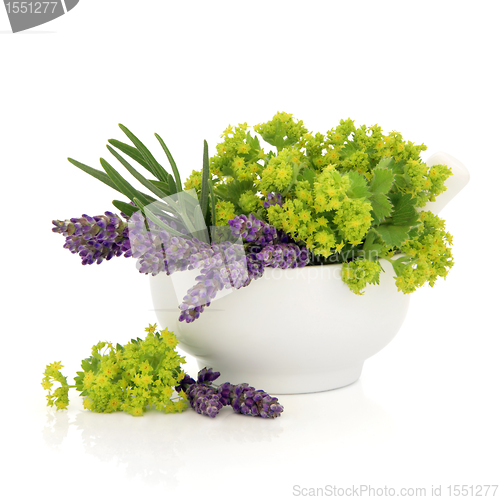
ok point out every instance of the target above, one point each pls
(212, 202)
(145, 182)
(201, 232)
(97, 174)
(158, 171)
(126, 208)
(172, 163)
(123, 186)
(131, 152)
(150, 215)
(204, 182)
(162, 185)
(172, 185)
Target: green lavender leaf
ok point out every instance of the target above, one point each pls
(150, 215)
(177, 176)
(212, 201)
(162, 185)
(123, 186)
(126, 208)
(145, 182)
(97, 174)
(204, 182)
(131, 152)
(158, 171)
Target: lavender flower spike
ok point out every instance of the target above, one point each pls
(96, 238)
(208, 400)
(248, 401)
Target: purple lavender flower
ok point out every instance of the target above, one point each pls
(249, 401)
(244, 399)
(204, 399)
(251, 229)
(95, 239)
(273, 199)
(207, 375)
(243, 251)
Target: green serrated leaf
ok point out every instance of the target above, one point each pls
(404, 213)
(381, 208)
(358, 187)
(382, 180)
(372, 247)
(386, 162)
(393, 236)
(308, 175)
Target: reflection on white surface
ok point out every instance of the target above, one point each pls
(158, 448)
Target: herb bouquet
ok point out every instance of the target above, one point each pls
(286, 205)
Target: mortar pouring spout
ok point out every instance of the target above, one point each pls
(454, 184)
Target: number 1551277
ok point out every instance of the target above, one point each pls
(31, 7)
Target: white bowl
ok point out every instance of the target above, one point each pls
(291, 331)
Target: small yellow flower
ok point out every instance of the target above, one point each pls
(46, 384)
(151, 328)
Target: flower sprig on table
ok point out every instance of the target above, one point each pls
(146, 374)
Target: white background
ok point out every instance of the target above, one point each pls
(425, 412)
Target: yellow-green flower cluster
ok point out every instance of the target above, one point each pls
(237, 156)
(58, 397)
(359, 273)
(353, 219)
(335, 187)
(428, 255)
(193, 182)
(282, 126)
(129, 378)
(224, 211)
(280, 171)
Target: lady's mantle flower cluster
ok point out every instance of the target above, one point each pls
(336, 188)
(207, 399)
(427, 255)
(146, 374)
(95, 239)
(128, 378)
